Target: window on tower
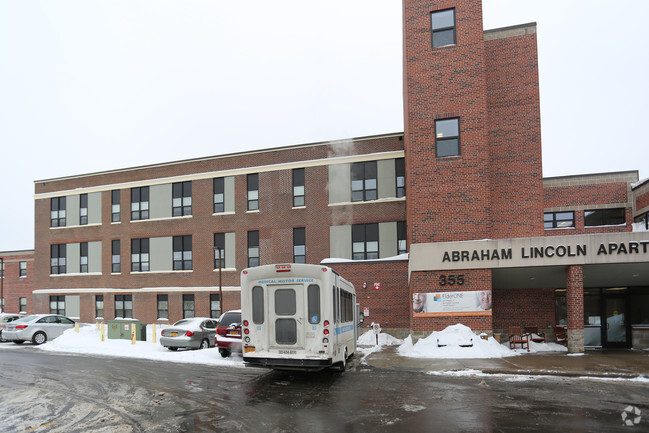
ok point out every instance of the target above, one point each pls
(443, 28)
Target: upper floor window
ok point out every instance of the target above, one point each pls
(219, 195)
(557, 220)
(604, 217)
(83, 257)
(182, 253)
(23, 269)
(253, 191)
(139, 255)
(299, 245)
(447, 137)
(115, 258)
(219, 250)
(83, 209)
(57, 259)
(253, 249)
(298, 187)
(115, 208)
(365, 241)
(400, 172)
(364, 184)
(57, 212)
(402, 237)
(443, 28)
(140, 203)
(181, 198)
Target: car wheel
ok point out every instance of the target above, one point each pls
(224, 353)
(2, 340)
(204, 344)
(18, 341)
(172, 348)
(39, 338)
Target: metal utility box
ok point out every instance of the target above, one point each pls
(121, 329)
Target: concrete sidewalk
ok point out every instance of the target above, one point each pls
(594, 363)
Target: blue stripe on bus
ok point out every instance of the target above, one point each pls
(344, 329)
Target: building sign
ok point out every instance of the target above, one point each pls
(629, 247)
(465, 303)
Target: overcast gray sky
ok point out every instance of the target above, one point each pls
(90, 85)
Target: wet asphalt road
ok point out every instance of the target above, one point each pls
(44, 392)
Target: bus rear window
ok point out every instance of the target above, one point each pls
(258, 305)
(313, 297)
(285, 302)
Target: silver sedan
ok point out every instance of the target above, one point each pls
(194, 333)
(37, 328)
(6, 318)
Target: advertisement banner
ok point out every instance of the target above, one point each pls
(439, 304)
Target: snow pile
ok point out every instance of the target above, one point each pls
(369, 339)
(88, 341)
(448, 344)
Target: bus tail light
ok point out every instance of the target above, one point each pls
(245, 323)
(326, 332)
(282, 268)
(326, 323)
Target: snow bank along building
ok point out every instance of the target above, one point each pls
(448, 222)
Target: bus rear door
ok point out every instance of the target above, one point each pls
(286, 317)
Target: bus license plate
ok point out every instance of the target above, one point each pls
(248, 349)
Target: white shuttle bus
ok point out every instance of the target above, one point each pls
(297, 317)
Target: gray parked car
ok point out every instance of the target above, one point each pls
(4, 319)
(37, 328)
(194, 333)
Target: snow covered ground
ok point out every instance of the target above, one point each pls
(88, 341)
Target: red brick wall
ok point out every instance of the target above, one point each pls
(586, 195)
(575, 297)
(14, 286)
(515, 169)
(642, 198)
(523, 307)
(451, 195)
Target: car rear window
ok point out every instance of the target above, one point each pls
(230, 318)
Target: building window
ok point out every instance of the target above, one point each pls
(447, 137)
(123, 306)
(140, 255)
(604, 217)
(115, 208)
(99, 306)
(181, 198)
(298, 187)
(253, 191)
(115, 256)
(83, 257)
(140, 203)
(219, 250)
(253, 249)
(400, 171)
(188, 306)
(57, 259)
(364, 181)
(443, 28)
(22, 304)
(402, 237)
(57, 212)
(57, 304)
(558, 220)
(215, 306)
(219, 195)
(182, 253)
(163, 306)
(83, 209)
(23, 269)
(299, 245)
(365, 241)
(643, 219)
(2, 269)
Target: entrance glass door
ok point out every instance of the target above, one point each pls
(616, 327)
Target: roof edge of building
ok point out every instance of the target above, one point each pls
(226, 155)
(510, 31)
(578, 179)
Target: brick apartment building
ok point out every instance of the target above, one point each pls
(16, 281)
(453, 212)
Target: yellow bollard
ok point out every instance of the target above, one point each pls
(102, 332)
(98, 326)
(132, 333)
(154, 336)
(76, 327)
